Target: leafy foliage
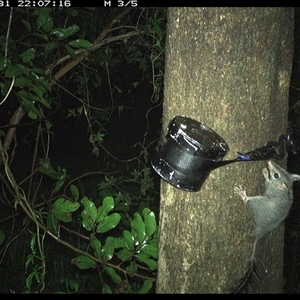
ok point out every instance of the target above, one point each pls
(52, 60)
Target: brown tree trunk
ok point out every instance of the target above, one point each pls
(228, 68)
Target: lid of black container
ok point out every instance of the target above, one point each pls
(187, 154)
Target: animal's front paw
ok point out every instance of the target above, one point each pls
(242, 193)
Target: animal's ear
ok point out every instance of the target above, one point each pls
(296, 177)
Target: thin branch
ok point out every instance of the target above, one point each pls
(95, 47)
(7, 36)
(15, 119)
(97, 41)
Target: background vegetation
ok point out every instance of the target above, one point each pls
(80, 89)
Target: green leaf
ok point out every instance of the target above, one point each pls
(50, 47)
(45, 167)
(132, 267)
(2, 236)
(106, 289)
(26, 25)
(97, 247)
(71, 283)
(124, 254)
(28, 55)
(32, 115)
(44, 102)
(63, 208)
(109, 223)
(45, 84)
(105, 193)
(43, 15)
(150, 250)
(12, 71)
(128, 240)
(122, 206)
(113, 275)
(64, 205)
(4, 63)
(149, 220)
(79, 43)
(37, 91)
(22, 81)
(88, 214)
(23, 70)
(42, 89)
(144, 258)
(38, 71)
(107, 251)
(10, 42)
(62, 34)
(48, 25)
(52, 223)
(153, 241)
(37, 275)
(29, 104)
(108, 204)
(70, 51)
(74, 191)
(60, 182)
(33, 242)
(29, 261)
(72, 12)
(29, 281)
(41, 36)
(83, 262)
(138, 227)
(145, 288)
(118, 242)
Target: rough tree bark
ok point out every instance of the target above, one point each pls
(228, 68)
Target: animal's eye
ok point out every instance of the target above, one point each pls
(276, 176)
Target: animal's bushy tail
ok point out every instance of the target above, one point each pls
(249, 280)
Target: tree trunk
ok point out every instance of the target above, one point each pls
(228, 68)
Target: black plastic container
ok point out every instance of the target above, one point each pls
(187, 154)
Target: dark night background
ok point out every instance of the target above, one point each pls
(292, 224)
